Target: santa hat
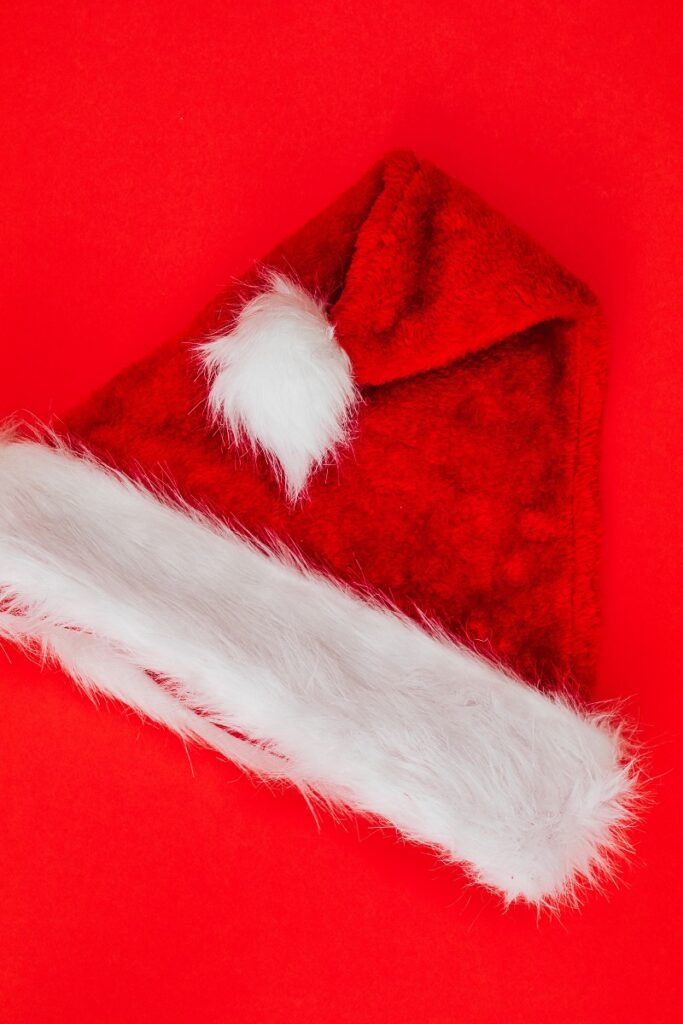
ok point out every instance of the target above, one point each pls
(346, 532)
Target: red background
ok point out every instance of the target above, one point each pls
(152, 150)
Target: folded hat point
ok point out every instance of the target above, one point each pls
(368, 641)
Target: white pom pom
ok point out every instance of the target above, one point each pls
(280, 380)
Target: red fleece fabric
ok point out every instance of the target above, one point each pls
(469, 492)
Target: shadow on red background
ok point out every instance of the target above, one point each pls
(150, 152)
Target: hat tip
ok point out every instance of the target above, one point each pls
(280, 381)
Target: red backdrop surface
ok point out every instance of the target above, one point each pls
(151, 151)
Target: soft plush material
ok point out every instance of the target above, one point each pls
(396, 413)
(280, 381)
(199, 630)
(470, 491)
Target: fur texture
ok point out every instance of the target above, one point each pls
(280, 380)
(100, 669)
(342, 696)
(471, 488)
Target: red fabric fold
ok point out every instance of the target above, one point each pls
(470, 490)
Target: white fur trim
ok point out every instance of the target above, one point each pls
(279, 379)
(99, 669)
(341, 695)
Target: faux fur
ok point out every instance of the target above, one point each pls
(280, 380)
(343, 696)
(100, 669)
(470, 490)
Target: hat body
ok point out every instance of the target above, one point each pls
(468, 491)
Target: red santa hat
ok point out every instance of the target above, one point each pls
(346, 533)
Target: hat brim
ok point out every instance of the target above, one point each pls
(294, 677)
